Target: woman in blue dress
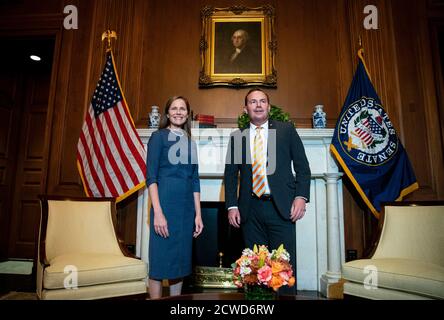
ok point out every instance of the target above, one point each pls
(174, 190)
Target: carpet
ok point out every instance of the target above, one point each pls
(13, 295)
(16, 267)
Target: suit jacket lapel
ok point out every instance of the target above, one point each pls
(271, 126)
(246, 146)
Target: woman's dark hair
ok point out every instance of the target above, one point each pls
(165, 121)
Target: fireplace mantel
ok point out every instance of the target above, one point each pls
(319, 235)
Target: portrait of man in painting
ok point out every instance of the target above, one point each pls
(237, 48)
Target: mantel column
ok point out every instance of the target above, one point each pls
(333, 274)
(143, 232)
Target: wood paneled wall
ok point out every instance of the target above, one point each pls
(157, 56)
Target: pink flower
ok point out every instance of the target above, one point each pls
(238, 283)
(284, 275)
(264, 274)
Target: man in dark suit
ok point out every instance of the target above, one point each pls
(271, 199)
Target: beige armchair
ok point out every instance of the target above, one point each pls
(408, 260)
(79, 255)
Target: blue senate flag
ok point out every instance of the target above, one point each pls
(367, 147)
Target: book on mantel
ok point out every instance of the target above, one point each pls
(198, 124)
(204, 121)
(206, 125)
(204, 118)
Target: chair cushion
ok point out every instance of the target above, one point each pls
(102, 291)
(406, 275)
(359, 290)
(92, 269)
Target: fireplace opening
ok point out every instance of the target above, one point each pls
(219, 244)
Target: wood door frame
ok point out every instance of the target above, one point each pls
(436, 26)
(45, 29)
(17, 102)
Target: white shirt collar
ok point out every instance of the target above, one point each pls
(264, 125)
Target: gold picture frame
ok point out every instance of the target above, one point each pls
(238, 47)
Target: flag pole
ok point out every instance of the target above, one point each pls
(108, 35)
(361, 56)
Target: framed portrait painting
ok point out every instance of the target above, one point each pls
(237, 47)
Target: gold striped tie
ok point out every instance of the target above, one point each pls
(258, 164)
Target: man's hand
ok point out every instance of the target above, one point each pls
(297, 209)
(234, 217)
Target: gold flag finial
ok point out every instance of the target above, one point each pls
(221, 254)
(108, 35)
(361, 56)
(360, 48)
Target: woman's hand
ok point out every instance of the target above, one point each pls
(198, 226)
(161, 224)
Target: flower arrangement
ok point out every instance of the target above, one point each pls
(260, 268)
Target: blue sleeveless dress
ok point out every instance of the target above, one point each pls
(172, 164)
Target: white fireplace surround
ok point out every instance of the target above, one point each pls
(319, 235)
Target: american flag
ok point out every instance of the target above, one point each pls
(368, 129)
(364, 131)
(110, 154)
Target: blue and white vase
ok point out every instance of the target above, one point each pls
(154, 117)
(319, 117)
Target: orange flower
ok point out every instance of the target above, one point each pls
(291, 281)
(250, 278)
(241, 259)
(276, 267)
(276, 282)
(263, 254)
